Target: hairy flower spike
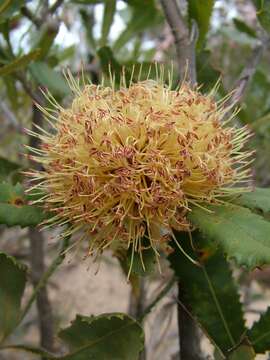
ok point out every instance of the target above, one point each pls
(128, 163)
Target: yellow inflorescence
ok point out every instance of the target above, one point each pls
(123, 164)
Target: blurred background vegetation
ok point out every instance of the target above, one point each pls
(40, 38)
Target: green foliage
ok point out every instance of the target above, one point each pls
(209, 290)
(109, 11)
(15, 208)
(244, 28)
(9, 7)
(208, 76)
(261, 125)
(111, 66)
(46, 39)
(12, 92)
(113, 336)
(8, 169)
(12, 284)
(109, 336)
(143, 265)
(263, 13)
(135, 70)
(109, 63)
(142, 18)
(23, 216)
(88, 23)
(201, 12)
(65, 53)
(260, 332)
(49, 78)
(257, 102)
(12, 194)
(242, 235)
(259, 199)
(88, 2)
(242, 352)
(19, 63)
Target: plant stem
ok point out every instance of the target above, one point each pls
(185, 44)
(184, 40)
(136, 306)
(37, 261)
(241, 84)
(160, 296)
(45, 315)
(46, 275)
(189, 337)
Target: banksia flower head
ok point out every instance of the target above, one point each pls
(127, 163)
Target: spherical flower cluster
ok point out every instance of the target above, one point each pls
(131, 162)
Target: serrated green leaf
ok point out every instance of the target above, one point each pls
(14, 207)
(108, 336)
(108, 16)
(244, 28)
(19, 63)
(242, 352)
(242, 235)
(209, 290)
(23, 216)
(12, 194)
(201, 12)
(258, 199)
(259, 334)
(12, 284)
(49, 78)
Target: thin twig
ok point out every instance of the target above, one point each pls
(9, 115)
(160, 296)
(136, 305)
(28, 89)
(185, 44)
(44, 9)
(46, 275)
(194, 35)
(45, 316)
(46, 12)
(37, 262)
(184, 41)
(30, 16)
(188, 329)
(246, 75)
(55, 6)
